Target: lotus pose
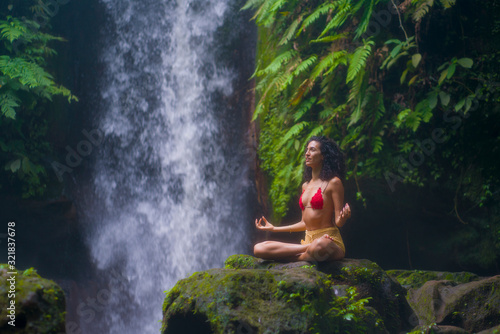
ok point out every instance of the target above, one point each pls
(322, 209)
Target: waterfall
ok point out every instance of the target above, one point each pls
(169, 183)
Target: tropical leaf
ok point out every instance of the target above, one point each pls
(415, 59)
(445, 98)
(465, 62)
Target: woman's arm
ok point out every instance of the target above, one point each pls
(342, 213)
(264, 225)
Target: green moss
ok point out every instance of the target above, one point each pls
(31, 272)
(40, 301)
(241, 262)
(297, 300)
(414, 279)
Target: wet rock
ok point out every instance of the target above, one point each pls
(493, 330)
(439, 330)
(473, 306)
(414, 279)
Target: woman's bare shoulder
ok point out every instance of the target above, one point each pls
(304, 185)
(335, 183)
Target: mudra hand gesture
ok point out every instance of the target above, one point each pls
(345, 214)
(267, 225)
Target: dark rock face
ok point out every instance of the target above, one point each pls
(254, 296)
(39, 303)
(473, 306)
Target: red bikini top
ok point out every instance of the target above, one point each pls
(316, 200)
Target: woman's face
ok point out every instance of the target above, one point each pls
(313, 154)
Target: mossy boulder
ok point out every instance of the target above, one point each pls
(493, 330)
(251, 295)
(473, 306)
(414, 279)
(435, 329)
(39, 303)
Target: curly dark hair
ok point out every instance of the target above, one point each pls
(333, 160)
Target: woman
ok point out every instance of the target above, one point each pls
(322, 209)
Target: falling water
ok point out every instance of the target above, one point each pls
(170, 186)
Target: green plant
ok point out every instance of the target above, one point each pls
(319, 71)
(26, 87)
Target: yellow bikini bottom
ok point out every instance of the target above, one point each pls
(333, 232)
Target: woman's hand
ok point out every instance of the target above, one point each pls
(345, 214)
(263, 225)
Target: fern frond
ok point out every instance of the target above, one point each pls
(381, 107)
(293, 132)
(252, 4)
(303, 89)
(357, 86)
(331, 61)
(303, 66)
(28, 73)
(258, 16)
(338, 20)
(377, 144)
(329, 112)
(12, 29)
(316, 131)
(287, 36)
(356, 115)
(330, 39)
(304, 108)
(365, 19)
(277, 63)
(423, 7)
(314, 16)
(267, 12)
(278, 4)
(448, 3)
(358, 60)
(8, 103)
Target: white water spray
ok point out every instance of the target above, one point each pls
(172, 196)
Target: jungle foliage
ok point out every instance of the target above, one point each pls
(409, 90)
(26, 88)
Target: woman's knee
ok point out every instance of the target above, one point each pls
(260, 249)
(324, 250)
